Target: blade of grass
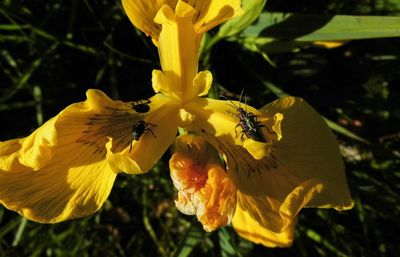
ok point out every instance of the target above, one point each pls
(23, 80)
(191, 239)
(149, 228)
(8, 227)
(313, 235)
(227, 249)
(17, 105)
(11, 27)
(20, 231)
(83, 48)
(37, 95)
(133, 58)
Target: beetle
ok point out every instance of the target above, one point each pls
(141, 106)
(138, 129)
(251, 127)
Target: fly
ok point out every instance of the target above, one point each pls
(138, 129)
(141, 106)
(251, 127)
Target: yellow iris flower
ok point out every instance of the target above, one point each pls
(66, 168)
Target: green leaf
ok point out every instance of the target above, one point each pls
(251, 11)
(306, 27)
(280, 32)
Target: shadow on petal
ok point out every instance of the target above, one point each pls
(308, 150)
(250, 229)
(303, 167)
(9, 151)
(72, 185)
(153, 142)
(60, 171)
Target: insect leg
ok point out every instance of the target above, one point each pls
(236, 133)
(151, 131)
(130, 146)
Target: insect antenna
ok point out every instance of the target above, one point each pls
(232, 104)
(240, 98)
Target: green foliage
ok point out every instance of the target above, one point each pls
(53, 51)
(284, 32)
(251, 11)
(311, 27)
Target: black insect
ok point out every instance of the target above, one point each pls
(141, 106)
(251, 127)
(138, 129)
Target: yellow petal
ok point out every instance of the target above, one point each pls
(60, 171)
(202, 83)
(142, 13)
(250, 229)
(178, 49)
(9, 151)
(214, 12)
(36, 148)
(302, 167)
(260, 150)
(139, 156)
(308, 150)
(305, 169)
(273, 213)
(221, 119)
(209, 13)
(72, 185)
(86, 125)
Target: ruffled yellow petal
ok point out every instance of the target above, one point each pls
(72, 185)
(308, 150)
(61, 171)
(307, 169)
(9, 155)
(209, 13)
(142, 12)
(36, 148)
(204, 189)
(287, 176)
(85, 125)
(275, 214)
(139, 156)
(250, 229)
(214, 12)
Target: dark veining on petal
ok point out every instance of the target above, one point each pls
(239, 159)
(114, 123)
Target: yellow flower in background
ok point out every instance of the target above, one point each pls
(256, 168)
